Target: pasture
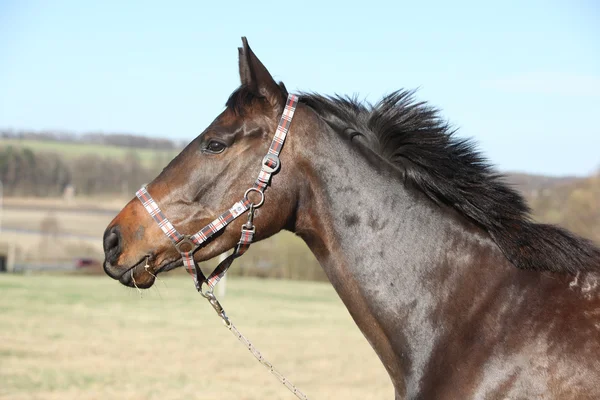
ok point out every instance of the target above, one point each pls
(83, 337)
(50, 229)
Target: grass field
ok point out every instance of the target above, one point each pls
(72, 218)
(74, 150)
(81, 337)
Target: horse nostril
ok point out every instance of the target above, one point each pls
(111, 240)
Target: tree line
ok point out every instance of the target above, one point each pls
(24, 172)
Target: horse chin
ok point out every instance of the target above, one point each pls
(137, 277)
(142, 278)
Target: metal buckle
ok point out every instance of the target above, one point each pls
(184, 241)
(267, 168)
(249, 229)
(262, 197)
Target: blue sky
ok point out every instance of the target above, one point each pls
(521, 78)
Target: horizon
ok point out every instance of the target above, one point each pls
(521, 80)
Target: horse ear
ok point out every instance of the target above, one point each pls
(245, 77)
(257, 78)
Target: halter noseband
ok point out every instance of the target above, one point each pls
(187, 245)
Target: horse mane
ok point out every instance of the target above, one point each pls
(413, 136)
(450, 171)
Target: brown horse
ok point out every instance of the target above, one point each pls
(460, 294)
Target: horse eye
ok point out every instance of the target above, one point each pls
(215, 147)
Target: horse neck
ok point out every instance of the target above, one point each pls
(394, 257)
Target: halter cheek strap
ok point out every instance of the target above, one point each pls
(187, 245)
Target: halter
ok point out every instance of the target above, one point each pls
(187, 245)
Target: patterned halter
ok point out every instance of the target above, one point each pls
(187, 245)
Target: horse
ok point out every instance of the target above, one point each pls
(459, 292)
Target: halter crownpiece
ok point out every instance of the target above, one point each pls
(187, 245)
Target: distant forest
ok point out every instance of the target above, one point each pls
(24, 172)
(32, 171)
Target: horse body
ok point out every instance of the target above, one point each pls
(458, 292)
(417, 280)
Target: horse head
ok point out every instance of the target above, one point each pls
(208, 176)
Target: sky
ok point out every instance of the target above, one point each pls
(520, 78)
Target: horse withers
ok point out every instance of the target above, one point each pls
(460, 294)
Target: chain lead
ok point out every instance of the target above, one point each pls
(229, 325)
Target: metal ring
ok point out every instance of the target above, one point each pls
(208, 294)
(185, 241)
(262, 196)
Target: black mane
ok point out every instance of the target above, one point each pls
(412, 136)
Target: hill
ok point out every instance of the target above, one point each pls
(148, 157)
(573, 204)
(531, 184)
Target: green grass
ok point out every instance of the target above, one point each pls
(81, 337)
(148, 157)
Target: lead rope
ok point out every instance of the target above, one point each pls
(209, 295)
